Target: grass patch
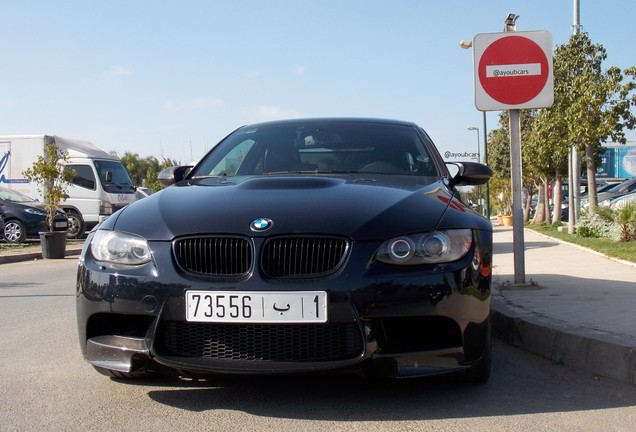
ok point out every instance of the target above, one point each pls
(621, 250)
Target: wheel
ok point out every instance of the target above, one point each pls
(14, 231)
(480, 371)
(76, 225)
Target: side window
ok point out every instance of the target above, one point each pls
(84, 176)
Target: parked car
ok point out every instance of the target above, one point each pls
(604, 192)
(621, 201)
(142, 192)
(295, 247)
(617, 190)
(583, 187)
(24, 216)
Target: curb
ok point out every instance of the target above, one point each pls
(595, 351)
(6, 259)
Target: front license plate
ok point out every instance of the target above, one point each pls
(61, 225)
(257, 307)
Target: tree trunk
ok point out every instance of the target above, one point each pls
(527, 204)
(591, 178)
(546, 194)
(557, 197)
(539, 213)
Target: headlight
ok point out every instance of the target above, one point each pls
(433, 247)
(35, 211)
(120, 248)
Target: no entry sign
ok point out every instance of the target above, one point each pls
(513, 70)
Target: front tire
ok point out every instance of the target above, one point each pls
(480, 372)
(76, 225)
(14, 231)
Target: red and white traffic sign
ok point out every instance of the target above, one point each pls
(513, 70)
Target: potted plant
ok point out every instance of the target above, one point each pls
(53, 179)
(506, 206)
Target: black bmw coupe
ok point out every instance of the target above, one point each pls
(298, 246)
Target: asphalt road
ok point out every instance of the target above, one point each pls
(45, 385)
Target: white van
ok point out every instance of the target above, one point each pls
(101, 185)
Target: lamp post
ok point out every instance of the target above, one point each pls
(473, 128)
(466, 44)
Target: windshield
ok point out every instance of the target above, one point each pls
(114, 177)
(13, 196)
(321, 147)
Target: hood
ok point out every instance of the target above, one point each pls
(23, 204)
(359, 208)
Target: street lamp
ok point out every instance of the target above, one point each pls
(473, 128)
(467, 45)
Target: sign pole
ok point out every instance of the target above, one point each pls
(517, 205)
(513, 71)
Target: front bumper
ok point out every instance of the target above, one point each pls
(404, 322)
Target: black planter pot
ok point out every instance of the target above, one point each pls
(53, 244)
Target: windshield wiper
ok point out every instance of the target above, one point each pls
(310, 172)
(338, 172)
(209, 176)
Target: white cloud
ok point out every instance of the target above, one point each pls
(252, 75)
(300, 70)
(117, 71)
(194, 104)
(270, 112)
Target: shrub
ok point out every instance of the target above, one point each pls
(598, 224)
(625, 218)
(616, 224)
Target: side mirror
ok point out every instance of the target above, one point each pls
(470, 173)
(172, 175)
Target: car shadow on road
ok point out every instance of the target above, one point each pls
(513, 389)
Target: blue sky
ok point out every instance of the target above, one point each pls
(171, 79)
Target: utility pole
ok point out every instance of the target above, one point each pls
(574, 165)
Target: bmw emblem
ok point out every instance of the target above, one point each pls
(261, 224)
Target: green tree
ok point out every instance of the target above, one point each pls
(548, 149)
(150, 180)
(499, 157)
(144, 171)
(591, 105)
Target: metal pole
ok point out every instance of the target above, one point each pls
(486, 162)
(479, 206)
(571, 203)
(517, 207)
(479, 186)
(574, 188)
(576, 18)
(515, 179)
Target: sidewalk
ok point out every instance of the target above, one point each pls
(580, 309)
(582, 312)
